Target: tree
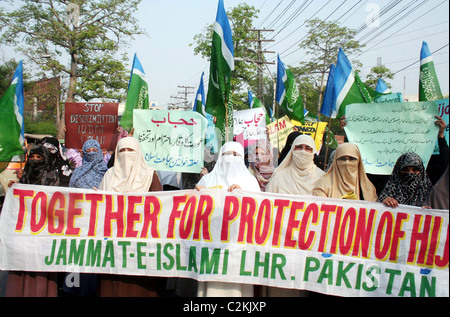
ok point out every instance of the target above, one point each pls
(322, 45)
(79, 40)
(378, 72)
(243, 77)
(6, 74)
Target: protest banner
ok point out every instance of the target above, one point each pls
(443, 109)
(86, 121)
(171, 141)
(250, 122)
(385, 131)
(278, 132)
(336, 247)
(314, 129)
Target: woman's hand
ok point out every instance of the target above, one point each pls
(12, 183)
(199, 188)
(204, 171)
(233, 187)
(390, 202)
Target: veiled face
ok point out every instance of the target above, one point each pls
(126, 149)
(410, 170)
(304, 147)
(36, 157)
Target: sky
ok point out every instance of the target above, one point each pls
(396, 37)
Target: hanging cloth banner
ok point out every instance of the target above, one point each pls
(336, 247)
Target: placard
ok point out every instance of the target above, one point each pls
(171, 141)
(385, 131)
(86, 121)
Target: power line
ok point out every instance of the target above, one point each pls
(271, 12)
(418, 61)
(310, 31)
(382, 12)
(271, 25)
(391, 36)
(305, 23)
(294, 30)
(294, 15)
(396, 21)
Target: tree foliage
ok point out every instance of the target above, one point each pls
(87, 52)
(378, 72)
(321, 47)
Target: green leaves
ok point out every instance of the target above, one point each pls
(89, 54)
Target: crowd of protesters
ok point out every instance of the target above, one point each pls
(296, 171)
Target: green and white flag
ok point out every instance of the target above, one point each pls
(222, 64)
(254, 103)
(199, 103)
(429, 88)
(288, 94)
(11, 118)
(348, 87)
(137, 94)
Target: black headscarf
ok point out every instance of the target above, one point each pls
(40, 172)
(290, 139)
(57, 161)
(408, 188)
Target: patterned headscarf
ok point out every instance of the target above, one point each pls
(91, 172)
(261, 165)
(57, 159)
(40, 172)
(408, 188)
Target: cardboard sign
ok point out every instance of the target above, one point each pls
(251, 122)
(172, 141)
(86, 121)
(314, 129)
(279, 131)
(385, 131)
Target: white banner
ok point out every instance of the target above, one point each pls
(336, 247)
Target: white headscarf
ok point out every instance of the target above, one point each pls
(297, 174)
(230, 170)
(130, 173)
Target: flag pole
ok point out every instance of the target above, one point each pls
(227, 137)
(326, 152)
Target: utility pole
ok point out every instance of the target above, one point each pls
(186, 93)
(261, 59)
(176, 105)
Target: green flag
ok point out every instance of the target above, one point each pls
(137, 94)
(218, 101)
(288, 94)
(254, 102)
(348, 88)
(429, 89)
(11, 119)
